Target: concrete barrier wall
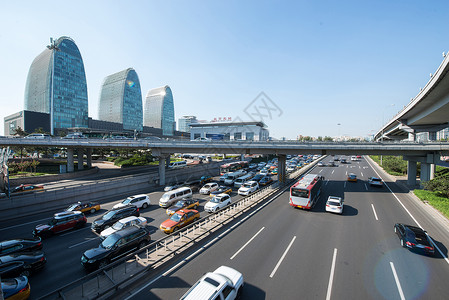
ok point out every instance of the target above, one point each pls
(48, 178)
(100, 191)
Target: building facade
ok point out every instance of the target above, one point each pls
(28, 121)
(56, 85)
(159, 110)
(185, 121)
(249, 131)
(121, 100)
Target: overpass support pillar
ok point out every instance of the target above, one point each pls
(80, 159)
(281, 168)
(70, 165)
(425, 172)
(162, 162)
(89, 157)
(167, 161)
(411, 173)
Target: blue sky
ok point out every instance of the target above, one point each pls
(322, 63)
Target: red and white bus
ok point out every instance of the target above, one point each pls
(305, 193)
(232, 167)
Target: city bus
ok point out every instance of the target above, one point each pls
(305, 193)
(232, 167)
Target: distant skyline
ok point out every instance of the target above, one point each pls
(324, 68)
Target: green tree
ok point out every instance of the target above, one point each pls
(20, 132)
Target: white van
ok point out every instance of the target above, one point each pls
(177, 164)
(171, 197)
(241, 180)
(233, 176)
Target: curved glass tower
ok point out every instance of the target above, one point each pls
(58, 71)
(121, 100)
(159, 110)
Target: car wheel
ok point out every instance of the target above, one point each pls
(145, 205)
(175, 229)
(103, 263)
(93, 210)
(195, 207)
(142, 244)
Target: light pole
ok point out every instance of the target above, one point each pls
(383, 125)
(53, 47)
(339, 126)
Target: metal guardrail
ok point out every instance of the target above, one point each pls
(103, 282)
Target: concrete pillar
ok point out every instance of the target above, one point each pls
(167, 161)
(411, 173)
(89, 158)
(162, 160)
(80, 159)
(281, 167)
(70, 164)
(242, 157)
(425, 172)
(432, 171)
(432, 136)
(411, 136)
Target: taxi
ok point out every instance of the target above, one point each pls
(352, 177)
(180, 219)
(84, 207)
(26, 188)
(181, 204)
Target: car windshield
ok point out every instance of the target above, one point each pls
(126, 201)
(176, 217)
(110, 241)
(215, 200)
(165, 196)
(72, 207)
(375, 179)
(300, 193)
(180, 204)
(247, 185)
(108, 215)
(118, 225)
(333, 203)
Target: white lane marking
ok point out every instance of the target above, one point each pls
(405, 208)
(86, 241)
(327, 181)
(346, 173)
(320, 171)
(331, 277)
(359, 166)
(232, 257)
(398, 284)
(361, 173)
(366, 187)
(374, 211)
(344, 186)
(282, 258)
(22, 224)
(332, 171)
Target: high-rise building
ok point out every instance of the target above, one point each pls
(184, 123)
(121, 100)
(159, 110)
(56, 84)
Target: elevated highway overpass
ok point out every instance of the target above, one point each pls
(426, 153)
(427, 112)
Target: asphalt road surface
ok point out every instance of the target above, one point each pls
(289, 253)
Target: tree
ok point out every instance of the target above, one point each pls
(20, 132)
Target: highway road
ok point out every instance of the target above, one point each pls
(64, 251)
(289, 253)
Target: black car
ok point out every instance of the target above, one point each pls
(115, 246)
(110, 217)
(20, 245)
(414, 238)
(21, 263)
(258, 177)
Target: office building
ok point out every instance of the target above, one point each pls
(159, 110)
(249, 131)
(185, 121)
(56, 85)
(121, 100)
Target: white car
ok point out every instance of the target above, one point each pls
(354, 158)
(208, 188)
(141, 201)
(375, 181)
(223, 283)
(171, 187)
(264, 172)
(217, 202)
(248, 188)
(334, 204)
(123, 223)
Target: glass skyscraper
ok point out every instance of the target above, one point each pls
(184, 123)
(121, 100)
(69, 107)
(159, 110)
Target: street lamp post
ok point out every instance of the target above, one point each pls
(53, 47)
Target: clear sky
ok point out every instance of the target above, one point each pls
(321, 63)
